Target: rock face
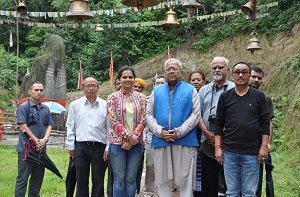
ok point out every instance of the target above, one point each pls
(49, 69)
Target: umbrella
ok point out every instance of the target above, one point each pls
(55, 107)
(40, 158)
(71, 178)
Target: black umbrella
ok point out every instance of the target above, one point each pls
(41, 158)
(71, 178)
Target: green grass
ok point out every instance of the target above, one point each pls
(52, 186)
(286, 173)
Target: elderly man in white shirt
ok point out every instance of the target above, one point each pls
(87, 139)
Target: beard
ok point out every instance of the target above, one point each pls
(217, 76)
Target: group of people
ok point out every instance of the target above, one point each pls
(205, 138)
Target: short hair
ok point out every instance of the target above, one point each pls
(226, 60)
(257, 69)
(196, 71)
(242, 63)
(35, 82)
(158, 77)
(83, 82)
(170, 60)
(122, 69)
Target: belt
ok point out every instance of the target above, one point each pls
(89, 143)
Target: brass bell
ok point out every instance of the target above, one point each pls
(247, 8)
(257, 14)
(140, 4)
(171, 18)
(98, 27)
(194, 4)
(254, 44)
(79, 11)
(22, 9)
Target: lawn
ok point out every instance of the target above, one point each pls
(53, 186)
(286, 173)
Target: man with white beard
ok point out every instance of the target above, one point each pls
(209, 96)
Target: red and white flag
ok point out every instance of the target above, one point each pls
(111, 71)
(10, 40)
(80, 79)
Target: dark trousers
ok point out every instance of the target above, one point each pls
(28, 169)
(139, 174)
(210, 172)
(110, 179)
(269, 180)
(90, 155)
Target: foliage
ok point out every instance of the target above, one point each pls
(130, 45)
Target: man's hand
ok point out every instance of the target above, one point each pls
(72, 154)
(210, 136)
(169, 136)
(219, 155)
(106, 155)
(263, 154)
(40, 144)
(269, 147)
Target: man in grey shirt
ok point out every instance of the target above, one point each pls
(209, 96)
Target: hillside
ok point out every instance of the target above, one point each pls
(275, 52)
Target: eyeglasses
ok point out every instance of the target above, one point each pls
(172, 69)
(90, 85)
(237, 73)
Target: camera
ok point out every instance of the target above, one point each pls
(212, 118)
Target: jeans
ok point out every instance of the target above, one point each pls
(125, 165)
(33, 172)
(241, 174)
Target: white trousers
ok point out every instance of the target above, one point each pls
(165, 189)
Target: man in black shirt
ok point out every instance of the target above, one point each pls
(242, 133)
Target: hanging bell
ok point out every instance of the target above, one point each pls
(98, 27)
(194, 4)
(171, 18)
(247, 8)
(254, 44)
(79, 11)
(257, 14)
(22, 9)
(140, 4)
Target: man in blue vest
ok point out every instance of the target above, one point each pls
(173, 112)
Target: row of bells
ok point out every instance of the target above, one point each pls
(79, 11)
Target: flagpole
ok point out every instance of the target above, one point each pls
(17, 53)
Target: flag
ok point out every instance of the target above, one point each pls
(10, 40)
(111, 71)
(169, 55)
(80, 79)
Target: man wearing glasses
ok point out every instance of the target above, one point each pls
(87, 139)
(242, 133)
(209, 95)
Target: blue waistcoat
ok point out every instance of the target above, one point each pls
(178, 109)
